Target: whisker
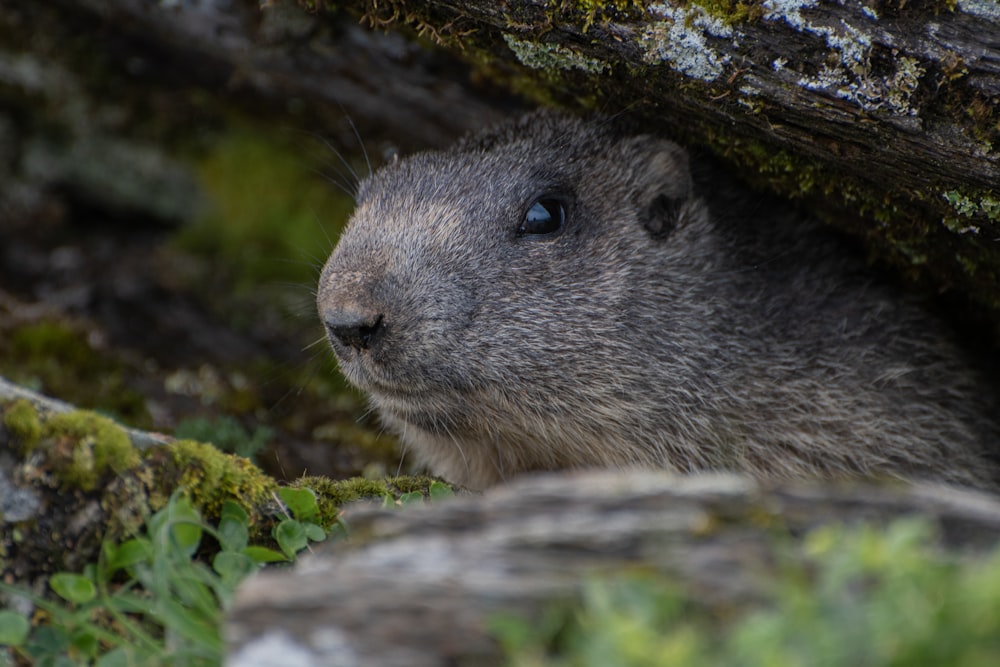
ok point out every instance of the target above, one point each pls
(321, 339)
(329, 240)
(357, 135)
(343, 184)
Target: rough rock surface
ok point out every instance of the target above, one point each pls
(418, 587)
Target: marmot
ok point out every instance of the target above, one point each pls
(556, 293)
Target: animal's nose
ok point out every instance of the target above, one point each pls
(358, 329)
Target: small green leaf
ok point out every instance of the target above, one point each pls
(185, 526)
(233, 567)
(301, 502)
(411, 498)
(123, 656)
(127, 554)
(233, 510)
(291, 537)
(186, 536)
(338, 531)
(440, 490)
(46, 643)
(84, 641)
(191, 627)
(263, 555)
(191, 586)
(73, 587)
(513, 632)
(14, 628)
(314, 532)
(232, 534)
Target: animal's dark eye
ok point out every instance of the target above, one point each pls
(546, 216)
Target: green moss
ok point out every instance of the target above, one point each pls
(21, 419)
(53, 339)
(593, 6)
(732, 12)
(334, 494)
(778, 169)
(600, 10)
(905, 234)
(55, 357)
(331, 495)
(410, 484)
(83, 446)
(272, 217)
(210, 477)
(225, 433)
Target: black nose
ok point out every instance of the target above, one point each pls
(353, 329)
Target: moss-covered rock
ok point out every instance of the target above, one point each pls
(83, 448)
(334, 494)
(210, 477)
(20, 418)
(92, 484)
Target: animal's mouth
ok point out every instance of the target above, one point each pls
(431, 413)
(432, 407)
(398, 395)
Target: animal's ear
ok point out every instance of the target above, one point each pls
(660, 182)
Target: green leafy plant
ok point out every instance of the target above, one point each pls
(860, 598)
(14, 628)
(294, 533)
(226, 433)
(153, 599)
(436, 491)
(149, 600)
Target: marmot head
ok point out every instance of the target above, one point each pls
(504, 290)
(552, 293)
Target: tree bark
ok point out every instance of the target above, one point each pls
(884, 116)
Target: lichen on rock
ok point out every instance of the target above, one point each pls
(680, 39)
(551, 56)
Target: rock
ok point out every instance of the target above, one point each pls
(420, 587)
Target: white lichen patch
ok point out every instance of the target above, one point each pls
(551, 56)
(988, 9)
(892, 93)
(850, 76)
(789, 11)
(680, 39)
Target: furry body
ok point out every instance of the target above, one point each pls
(665, 323)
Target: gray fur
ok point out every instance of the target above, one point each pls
(670, 324)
